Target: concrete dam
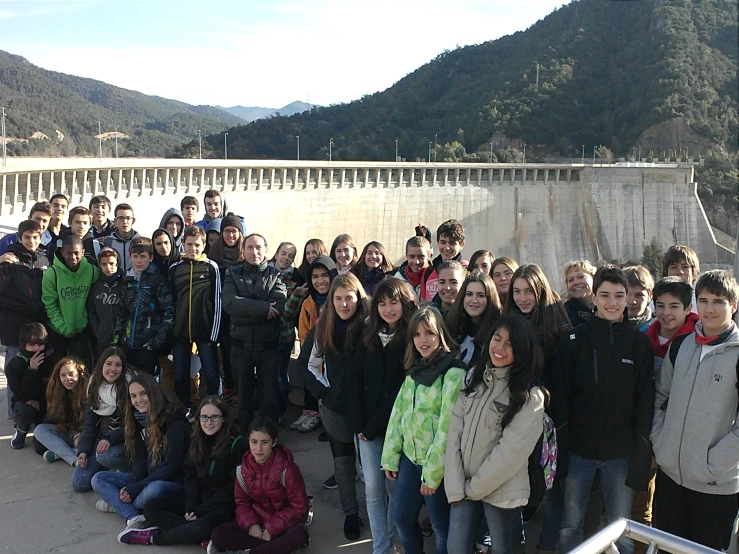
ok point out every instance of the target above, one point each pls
(536, 213)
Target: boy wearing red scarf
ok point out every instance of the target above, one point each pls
(695, 430)
(418, 259)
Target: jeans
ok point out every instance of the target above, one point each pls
(617, 497)
(266, 362)
(60, 443)
(379, 498)
(286, 350)
(504, 526)
(407, 505)
(182, 352)
(10, 353)
(108, 485)
(551, 516)
(113, 458)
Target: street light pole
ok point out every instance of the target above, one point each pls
(200, 142)
(330, 148)
(116, 142)
(524, 152)
(396, 150)
(583, 154)
(436, 141)
(5, 149)
(225, 146)
(429, 158)
(594, 147)
(100, 140)
(298, 137)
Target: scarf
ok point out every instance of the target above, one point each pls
(385, 337)
(712, 340)
(319, 298)
(107, 396)
(341, 325)
(111, 279)
(642, 319)
(413, 277)
(425, 371)
(141, 417)
(660, 350)
(126, 236)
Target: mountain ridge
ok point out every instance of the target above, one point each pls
(252, 113)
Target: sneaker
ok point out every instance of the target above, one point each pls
(323, 436)
(19, 439)
(136, 522)
(190, 415)
(295, 425)
(51, 457)
(352, 527)
(310, 423)
(330, 483)
(137, 536)
(103, 506)
(211, 548)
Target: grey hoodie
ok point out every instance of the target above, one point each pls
(695, 436)
(163, 225)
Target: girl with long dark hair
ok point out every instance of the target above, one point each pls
(344, 253)
(372, 266)
(502, 271)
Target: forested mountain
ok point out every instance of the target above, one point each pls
(252, 113)
(60, 105)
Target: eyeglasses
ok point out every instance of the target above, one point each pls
(213, 418)
(229, 231)
(124, 218)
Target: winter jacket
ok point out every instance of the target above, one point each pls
(419, 421)
(20, 292)
(248, 292)
(209, 484)
(430, 278)
(102, 307)
(695, 432)
(11, 238)
(104, 427)
(65, 295)
(275, 496)
(370, 280)
(120, 245)
(373, 386)
(146, 310)
(308, 308)
(660, 350)
(168, 467)
(484, 461)
(603, 409)
(106, 231)
(177, 241)
(292, 279)
(196, 289)
(29, 384)
(578, 311)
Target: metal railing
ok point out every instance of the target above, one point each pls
(605, 540)
(7, 229)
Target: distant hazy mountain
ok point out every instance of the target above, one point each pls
(252, 113)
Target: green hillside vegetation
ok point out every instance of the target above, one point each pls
(47, 101)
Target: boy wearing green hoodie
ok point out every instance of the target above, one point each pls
(64, 291)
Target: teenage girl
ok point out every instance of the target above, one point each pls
(372, 266)
(481, 261)
(101, 444)
(495, 424)
(344, 253)
(157, 439)
(415, 441)
(378, 375)
(502, 271)
(312, 249)
(579, 284)
(65, 399)
(472, 316)
(271, 501)
(215, 452)
(325, 364)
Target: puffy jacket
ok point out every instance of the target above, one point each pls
(102, 307)
(419, 422)
(145, 311)
(603, 409)
(20, 292)
(275, 496)
(248, 292)
(196, 289)
(120, 245)
(65, 295)
(484, 461)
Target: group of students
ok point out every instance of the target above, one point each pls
(448, 377)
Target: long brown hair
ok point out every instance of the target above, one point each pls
(350, 242)
(220, 446)
(361, 267)
(97, 379)
(431, 318)
(161, 404)
(304, 268)
(217, 251)
(390, 289)
(327, 321)
(458, 320)
(65, 409)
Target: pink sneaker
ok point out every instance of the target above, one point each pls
(137, 536)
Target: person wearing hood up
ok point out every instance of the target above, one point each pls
(165, 254)
(215, 208)
(102, 302)
(212, 232)
(174, 222)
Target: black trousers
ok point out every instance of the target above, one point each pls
(707, 519)
(78, 346)
(169, 515)
(266, 362)
(142, 359)
(25, 416)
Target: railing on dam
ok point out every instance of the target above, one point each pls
(134, 178)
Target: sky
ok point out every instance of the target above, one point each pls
(267, 53)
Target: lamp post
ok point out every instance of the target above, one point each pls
(429, 158)
(225, 146)
(200, 142)
(594, 147)
(330, 148)
(583, 155)
(116, 142)
(5, 150)
(436, 141)
(396, 150)
(100, 140)
(491, 151)
(524, 152)
(298, 138)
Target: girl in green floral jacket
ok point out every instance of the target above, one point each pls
(415, 441)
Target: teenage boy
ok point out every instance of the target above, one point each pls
(189, 207)
(215, 208)
(102, 225)
(254, 295)
(695, 430)
(146, 309)
(604, 409)
(80, 222)
(174, 222)
(65, 287)
(41, 214)
(28, 373)
(123, 234)
(682, 261)
(450, 241)
(639, 296)
(417, 259)
(59, 205)
(196, 288)
(103, 300)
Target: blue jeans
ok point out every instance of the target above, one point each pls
(617, 498)
(284, 379)
(10, 353)
(208, 354)
(60, 443)
(108, 485)
(504, 526)
(378, 492)
(551, 516)
(407, 505)
(113, 458)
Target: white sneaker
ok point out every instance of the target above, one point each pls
(310, 423)
(103, 506)
(136, 522)
(295, 425)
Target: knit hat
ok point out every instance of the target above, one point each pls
(232, 220)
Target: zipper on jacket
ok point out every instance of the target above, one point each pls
(189, 315)
(136, 312)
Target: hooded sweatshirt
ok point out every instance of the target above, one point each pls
(102, 307)
(207, 218)
(314, 300)
(119, 242)
(65, 292)
(163, 263)
(660, 348)
(695, 432)
(177, 244)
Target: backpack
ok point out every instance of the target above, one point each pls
(542, 464)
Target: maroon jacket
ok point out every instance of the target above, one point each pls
(275, 496)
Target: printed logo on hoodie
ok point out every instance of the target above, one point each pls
(74, 293)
